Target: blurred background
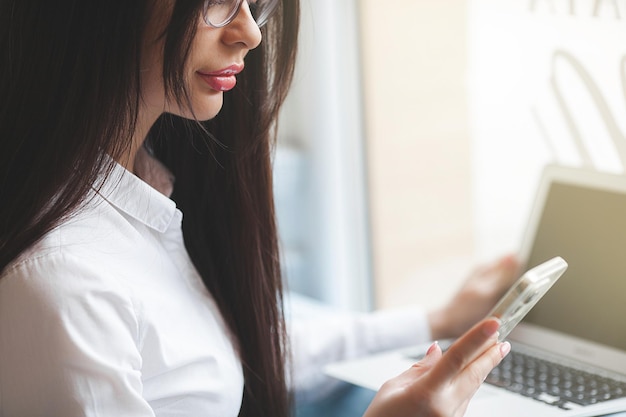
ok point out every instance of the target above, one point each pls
(416, 130)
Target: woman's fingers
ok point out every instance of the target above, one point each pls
(433, 355)
(442, 384)
(468, 348)
(473, 375)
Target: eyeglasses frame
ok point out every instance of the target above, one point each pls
(233, 14)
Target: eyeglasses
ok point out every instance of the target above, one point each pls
(219, 13)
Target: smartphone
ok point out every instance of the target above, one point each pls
(525, 293)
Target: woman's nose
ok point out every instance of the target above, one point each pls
(243, 29)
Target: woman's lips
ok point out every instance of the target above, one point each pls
(222, 80)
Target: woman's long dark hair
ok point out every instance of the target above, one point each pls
(69, 90)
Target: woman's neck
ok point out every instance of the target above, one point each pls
(153, 172)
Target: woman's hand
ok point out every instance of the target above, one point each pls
(442, 385)
(476, 297)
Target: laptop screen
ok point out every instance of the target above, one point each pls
(587, 227)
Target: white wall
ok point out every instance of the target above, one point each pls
(414, 67)
(547, 84)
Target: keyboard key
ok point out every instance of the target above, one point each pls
(553, 384)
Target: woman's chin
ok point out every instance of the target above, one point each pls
(208, 110)
(202, 111)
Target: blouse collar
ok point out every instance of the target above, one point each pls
(133, 196)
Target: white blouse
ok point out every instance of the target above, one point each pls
(106, 316)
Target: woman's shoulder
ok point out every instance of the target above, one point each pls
(81, 250)
(76, 321)
(92, 226)
(110, 247)
(56, 269)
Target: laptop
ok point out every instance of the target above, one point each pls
(568, 355)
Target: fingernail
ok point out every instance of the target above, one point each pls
(432, 348)
(505, 348)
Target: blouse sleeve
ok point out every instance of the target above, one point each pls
(320, 335)
(69, 342)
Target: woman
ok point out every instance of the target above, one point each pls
(106, 308)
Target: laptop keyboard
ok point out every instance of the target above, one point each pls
(554, 384)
